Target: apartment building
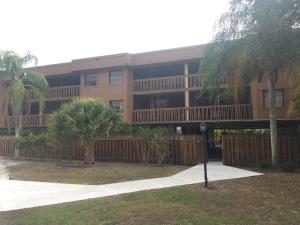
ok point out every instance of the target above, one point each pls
(157, 88)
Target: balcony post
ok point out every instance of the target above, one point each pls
(186, 90)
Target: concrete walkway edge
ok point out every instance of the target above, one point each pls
(3, 172)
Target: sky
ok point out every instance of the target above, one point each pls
(58, 31)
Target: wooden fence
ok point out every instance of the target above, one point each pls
(183, 149)
(249, 149)
(7, 145)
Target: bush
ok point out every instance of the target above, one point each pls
(4, 132)
(263, 165)
(82, 121)
(34, 137)
(288, 167)
(156, 136)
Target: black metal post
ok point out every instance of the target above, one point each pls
(205, 158)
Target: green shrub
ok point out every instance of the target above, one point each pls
(263, 165)
(156, 136)
(4, 132)
(288, 167)
(34, 137)
(83, 121)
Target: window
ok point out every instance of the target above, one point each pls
(116, 77)
(90, 79)
(116, 104)
(194, 67)
(279, 98)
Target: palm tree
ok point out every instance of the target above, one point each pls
(256, 40)
(18, 81)
(82, 121)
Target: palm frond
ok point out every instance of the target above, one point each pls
(11, 63)
(28, 58)
(38, 85)
(83, 120)
(253, 39)
(36, 81)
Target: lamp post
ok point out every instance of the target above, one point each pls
(204, 137)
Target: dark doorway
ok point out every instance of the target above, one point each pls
(214, 151)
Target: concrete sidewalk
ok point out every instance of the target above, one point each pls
(3, 173)
(25, 194)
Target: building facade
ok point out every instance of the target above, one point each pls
(157, 88)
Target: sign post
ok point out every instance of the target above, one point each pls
(203, 130)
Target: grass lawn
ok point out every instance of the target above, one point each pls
(101, 173)
(272, 199)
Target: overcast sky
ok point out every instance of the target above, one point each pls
(61, 30)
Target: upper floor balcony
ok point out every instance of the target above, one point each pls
(59, 93)
(218, 113)
(30, 120)
(172, 83)
(238, 112)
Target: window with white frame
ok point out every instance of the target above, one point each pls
(116, 77)
(279, 98)
(116, 104)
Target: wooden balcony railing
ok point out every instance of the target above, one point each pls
(172, 83)
(158, 84)
(195, 81)
(166, 115)
(30, 120)
(193, 114)
(59, 93)
(221, 112)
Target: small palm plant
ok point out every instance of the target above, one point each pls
(82, 121)
(17, 81)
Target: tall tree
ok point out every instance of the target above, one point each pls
(256, 40)
(82, 121)
(295, 106)
(18, 81)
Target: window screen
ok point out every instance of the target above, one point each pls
(115, 77)
(90, 79)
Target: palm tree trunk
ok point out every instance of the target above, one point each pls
(89, 155)
(5, 110)
(40, 119)
(7, 120)
(273, 120)
(18, 129)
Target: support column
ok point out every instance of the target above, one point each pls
(82, 84)
(186, 91)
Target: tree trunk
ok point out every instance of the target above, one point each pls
(5, 110)
(89, 155)
(160, 158)
(273, 120)
(40, 119)
(145, 153)
(7, 121)
(18, 129)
